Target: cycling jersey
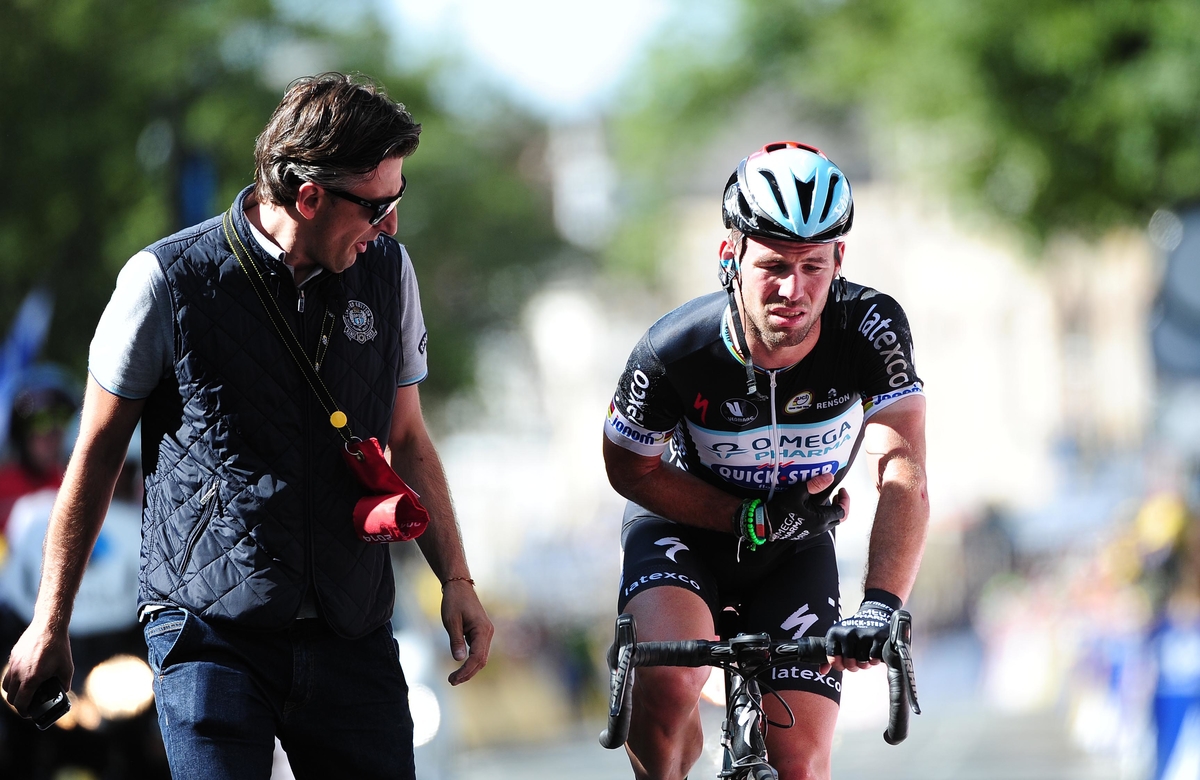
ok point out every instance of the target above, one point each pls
(683, 395)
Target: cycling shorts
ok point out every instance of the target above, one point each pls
(783, 589)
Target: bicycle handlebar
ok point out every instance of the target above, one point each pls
(627, 653)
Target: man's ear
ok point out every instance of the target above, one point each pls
(308, 197)
(839, 254)
(727, 268)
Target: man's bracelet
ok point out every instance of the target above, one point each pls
(468, 580)
(750, 524)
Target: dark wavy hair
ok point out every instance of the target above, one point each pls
(332, 129)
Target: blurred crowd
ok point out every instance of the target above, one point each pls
(111, 730)
(1105, 629)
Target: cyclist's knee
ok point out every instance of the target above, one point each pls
(669, 692)
(801, 767)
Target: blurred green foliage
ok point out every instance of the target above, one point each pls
(104, 101)
(1075, 115)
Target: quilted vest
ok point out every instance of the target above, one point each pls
(248, 503)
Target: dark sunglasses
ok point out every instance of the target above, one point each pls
(379, 208)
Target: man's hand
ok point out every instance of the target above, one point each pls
(37, 656)
(857, 642)
(793, 514)
(469, 629)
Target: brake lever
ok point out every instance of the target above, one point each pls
(900, 641)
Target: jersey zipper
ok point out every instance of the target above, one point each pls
(300, 301)
(774, 439)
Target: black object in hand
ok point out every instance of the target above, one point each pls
(49, 703)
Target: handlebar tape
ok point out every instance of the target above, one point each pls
(692, 653)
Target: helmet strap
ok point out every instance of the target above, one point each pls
(840, 294)
(740, 332)
(729, 274)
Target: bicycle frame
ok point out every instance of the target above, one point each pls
(743, 732)
(744, 658)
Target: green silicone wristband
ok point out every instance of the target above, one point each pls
(751, 508)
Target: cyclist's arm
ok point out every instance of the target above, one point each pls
(668, 491)
(894, 451)
(106, 425)
(415, 459)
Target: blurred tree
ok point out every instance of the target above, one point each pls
(109, 105)
(1052, 114)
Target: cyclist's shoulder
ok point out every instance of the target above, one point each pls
(864, 300)
(690, 328)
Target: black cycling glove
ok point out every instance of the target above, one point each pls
(792, 515)
(863, 635)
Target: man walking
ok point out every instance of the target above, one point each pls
(266, 615)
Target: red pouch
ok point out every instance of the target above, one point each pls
(392, 511)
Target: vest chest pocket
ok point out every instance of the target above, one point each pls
(210, 502)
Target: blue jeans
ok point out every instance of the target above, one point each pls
(339, 706)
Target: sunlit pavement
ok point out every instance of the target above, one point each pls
(958, 737)
(963, 744)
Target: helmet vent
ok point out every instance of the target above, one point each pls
(833, 183)
(778, 193)
(804, 189)
(744, 208)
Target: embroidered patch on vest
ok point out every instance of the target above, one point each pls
(360, 322)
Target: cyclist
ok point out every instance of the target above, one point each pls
(736, 418)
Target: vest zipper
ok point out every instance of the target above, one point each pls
(774, 439)
(208, 506)
(300, 301)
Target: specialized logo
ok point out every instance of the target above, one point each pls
(747, 721)
(801, 620)
(875, 328)
(701, 404)
(739, 411)
(675, 545)
(799, 402)
(360, 322)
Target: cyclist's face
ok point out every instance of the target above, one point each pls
(784, 286)
(342, 229)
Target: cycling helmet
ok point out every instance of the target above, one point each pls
(789, 191)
